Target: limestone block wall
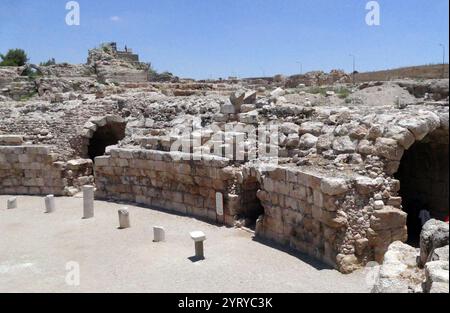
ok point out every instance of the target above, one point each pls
(343, 221)
(161, 180)
(122, 74)
(19, 89)
(30, 170)
(336, 220)
(127, 56)
(56, 124)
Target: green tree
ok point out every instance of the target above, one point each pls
(52, 61)
(14, 57)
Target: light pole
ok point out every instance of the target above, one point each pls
(263, 72)
(354, 68)
(301, 67)
(443, 59)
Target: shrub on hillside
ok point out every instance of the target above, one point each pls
(14, 57)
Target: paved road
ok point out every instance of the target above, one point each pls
(36, 247)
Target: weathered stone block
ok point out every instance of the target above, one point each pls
(291, 203)
(334, 186)
(388, 218)
(11, 140)
(281, 187)
(278, 174)
(389, 149)
(297, 191)
(318, 198)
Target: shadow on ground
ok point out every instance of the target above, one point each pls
(318, 265)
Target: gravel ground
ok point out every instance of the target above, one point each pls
(35, 248)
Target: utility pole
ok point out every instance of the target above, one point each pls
(354, 68)
(443, 59)
(263, 72)
(301, 67)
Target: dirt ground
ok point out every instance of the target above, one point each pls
(35, 249)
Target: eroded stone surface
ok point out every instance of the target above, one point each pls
(399, 272)
(332, 193)
(434, 235)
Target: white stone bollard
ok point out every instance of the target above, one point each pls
(198, 237)
(124, 218)
(12, 203)
(159, 234)
(50, 204)
(88, 201)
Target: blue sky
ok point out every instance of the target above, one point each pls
(220, 38)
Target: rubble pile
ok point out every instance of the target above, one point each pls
(409, 270)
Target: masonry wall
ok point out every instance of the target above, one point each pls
(159, 179)
(345, 222)
(61, 129)
(30, 170)
(127, 56)
(122, 75)
(331, 219)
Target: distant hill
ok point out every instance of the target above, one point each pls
(415, 72)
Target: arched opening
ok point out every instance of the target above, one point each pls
(251, 206)
(31, 70)
(105, 136)
(424, 180)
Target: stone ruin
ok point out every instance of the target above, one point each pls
(113, 65)
(421, 270)
(348, 178)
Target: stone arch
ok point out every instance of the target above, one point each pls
(29, 68)
(101, 132)
(423, 173)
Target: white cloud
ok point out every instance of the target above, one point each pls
(115, 18)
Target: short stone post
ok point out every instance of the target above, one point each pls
(124, 218)
(88, 201)
(50, 204)
(12, 203)
(198, 237)
(159, 234)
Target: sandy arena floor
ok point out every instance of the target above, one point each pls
(35, 248)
